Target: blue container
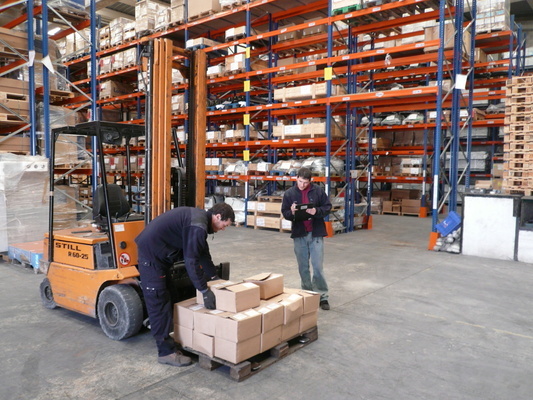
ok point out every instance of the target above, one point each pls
(450, 223)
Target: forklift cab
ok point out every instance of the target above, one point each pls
(93, 270)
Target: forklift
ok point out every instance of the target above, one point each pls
(93, 271)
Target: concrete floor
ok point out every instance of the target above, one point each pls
(406, 323)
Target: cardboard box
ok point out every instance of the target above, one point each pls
(293, 307)
(183, 336)
(202, 7)
(238, 327)
(270, 339)
(237, 352)
(268, 222)
(271, 315)
(311, 300)
(268, 207)
(308, 321)
(236, 297)
(210, 284)
(290, 330)
(184, 313)
(203, 343)
(270, 285)
(15, 144)
(205, 320)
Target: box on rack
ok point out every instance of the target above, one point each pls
(112, 88)
(432, 33)
(204, 7)
(177, 14)
(145, 15)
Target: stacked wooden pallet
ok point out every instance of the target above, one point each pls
(518, 139)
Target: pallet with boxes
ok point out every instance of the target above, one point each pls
(255, 319)
(266, 213)
(397, 202)
(518, 132)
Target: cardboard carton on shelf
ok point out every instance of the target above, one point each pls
(205, 7)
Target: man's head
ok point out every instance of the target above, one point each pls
(222, 215)
(303, 178)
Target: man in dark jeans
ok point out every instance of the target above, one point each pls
(178, 234)
(308, 231)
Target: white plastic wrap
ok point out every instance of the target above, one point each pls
(23, 199)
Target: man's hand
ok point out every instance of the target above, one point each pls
(215, 278)
(209, 300)
(311, 211)
(293, 208)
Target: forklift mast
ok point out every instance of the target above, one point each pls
(193, 65)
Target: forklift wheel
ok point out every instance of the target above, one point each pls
(47, 297)
(120, 311)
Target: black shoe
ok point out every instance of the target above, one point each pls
(175, 359)
(324, 305)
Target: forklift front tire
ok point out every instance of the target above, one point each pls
(47, 297)
(120, 311)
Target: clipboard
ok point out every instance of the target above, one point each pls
(301, 213)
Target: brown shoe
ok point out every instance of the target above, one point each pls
(175, 359)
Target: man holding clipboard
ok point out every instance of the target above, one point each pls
(306, 205)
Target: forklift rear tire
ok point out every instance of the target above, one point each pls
(47, 297)
(120, 311)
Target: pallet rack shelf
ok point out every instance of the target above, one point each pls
(339, 55)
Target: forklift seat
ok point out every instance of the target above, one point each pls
(119, 208)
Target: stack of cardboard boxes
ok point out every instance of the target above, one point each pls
(252, 316)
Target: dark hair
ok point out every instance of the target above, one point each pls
(305, 173)
(225, 211)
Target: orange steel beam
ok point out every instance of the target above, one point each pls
(66, 32)
(23, 18)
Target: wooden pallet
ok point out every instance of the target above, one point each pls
(234, 4)
(520, 80)
(519, 100)
(178, 22)
(518, 91)
(519, 109)
(519, 119)
(13, 96)
(518, 190)
(201, 15)
(392, 212)
(272, 199)
(252, 366)
(12, 118)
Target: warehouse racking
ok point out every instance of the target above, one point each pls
(358, 51)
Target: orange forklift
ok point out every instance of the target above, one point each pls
(93, 271)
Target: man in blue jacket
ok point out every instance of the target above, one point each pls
(308, 231)
(178, 234)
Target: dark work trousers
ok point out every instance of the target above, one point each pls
(158, 304)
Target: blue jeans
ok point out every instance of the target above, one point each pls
(311, 248)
